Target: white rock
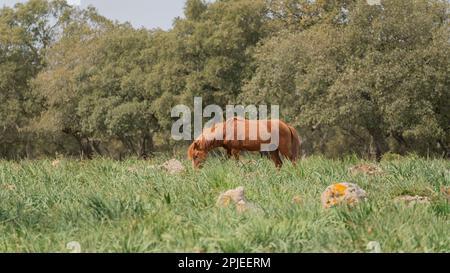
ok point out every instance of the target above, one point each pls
(374, 247)
(374, 2)
(412, 200)
(74, 247)
(173, 166)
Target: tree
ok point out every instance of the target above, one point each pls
(373, 72)
(95, 86)
(26, 31)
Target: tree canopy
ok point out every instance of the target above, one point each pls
(352, 77)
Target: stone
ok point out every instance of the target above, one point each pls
(374, 247)
(236, 197)
(297, 200)
(9, 187)
(412, 200)
(446, 192)
(242, 206)
(342, 193)
(374, 2)
(232, 196)
(132, 169)
(173, 166)
(74, 247)
(368, 169)
(56, 163)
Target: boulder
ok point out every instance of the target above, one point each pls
(342, 193)
(368, 169)
(412, 200)
(173, 166)
(237, 198)
(231, 197)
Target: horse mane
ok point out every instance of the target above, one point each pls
(201, 143)
(191, 151)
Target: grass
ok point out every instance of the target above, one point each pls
(134, 206)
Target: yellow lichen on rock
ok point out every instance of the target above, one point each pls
(340, 188)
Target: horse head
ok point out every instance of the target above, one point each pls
(209, 139)
(198, 152)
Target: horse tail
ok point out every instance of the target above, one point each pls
(295, 143)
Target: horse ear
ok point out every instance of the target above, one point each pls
(192, 148)
(197, 145)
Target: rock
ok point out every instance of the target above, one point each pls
(231, 196)
(74, 247)
(173, 166)
(56, 163)
(342, 193)
(374, 2)
(368, 169)
(132, 169)
(237, 198)
(446, 192)
(412, 200)
(374, 247)
(9, 187)
(242, 206)
(199, 250)
(297, 200)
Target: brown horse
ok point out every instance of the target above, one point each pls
(246, 139)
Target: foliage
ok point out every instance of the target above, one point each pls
(373, 72)
(353, 78)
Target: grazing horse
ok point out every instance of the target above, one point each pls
(245, 138)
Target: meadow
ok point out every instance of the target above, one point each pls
(136, 206)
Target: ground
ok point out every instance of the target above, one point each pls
(137, 206)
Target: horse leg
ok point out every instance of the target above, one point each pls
(235, 153)
(229, 154)
(287, 153)
(275, 156)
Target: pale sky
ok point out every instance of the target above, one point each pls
(147, 13)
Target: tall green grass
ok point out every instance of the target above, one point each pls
(135, 206)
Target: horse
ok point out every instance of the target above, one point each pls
(244, 139)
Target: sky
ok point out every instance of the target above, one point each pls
(140, 13)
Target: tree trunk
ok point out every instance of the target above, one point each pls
(147, 145)
(398, 136)
(444, 148)
(380, 143)
(85, 147)
(96, 146)
(29, 148)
